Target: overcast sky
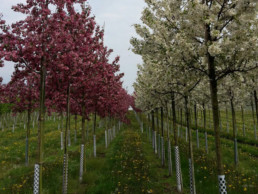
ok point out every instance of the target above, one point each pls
(118, 17)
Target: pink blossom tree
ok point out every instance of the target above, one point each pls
(23, 94)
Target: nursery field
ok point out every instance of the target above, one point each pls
(72, 122)
(127, 165)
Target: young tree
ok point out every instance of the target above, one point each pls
(233, 89)
(23, 95)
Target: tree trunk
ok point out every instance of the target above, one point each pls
(27, 137)
(158, 144)
(215, 105)
(153, 129)
(154, 134)
(40, 129)
(252, 106)
(209, 118)
(204, 125)
(220, 121)
(67, 118)
(75, 135)
(69, 128)
(65, 167)
(243, 120)
(227, 119)
(162, 138)
(83, 125)
(157, 119)
(190, 148)
(162, 126)
(174, 118)
(94, 135)
(149, 126)
(95, 121)
(256, 105)
(234, 131)
(61, 121)
(141, 121)
(176, 147)
(178, 114)
(201, 124)
(83, 142)
(181, 123)
(62, 142)
(215, 111)
(167, 122)
(196, 125)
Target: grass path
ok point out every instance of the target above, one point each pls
(127, 166)
(121, 168)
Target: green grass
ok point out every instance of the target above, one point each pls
(15, 177)
(240, 179)
(129, 165)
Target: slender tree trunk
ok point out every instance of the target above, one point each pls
(204, 125)
(243, 120)
(215, 111)
(190, 148)
(176, 147)
(215, 108)
(220, 121)
(67, 119)
(149, 125)
(178, 114)
(75, 121)
(65, 169)
(252, 106)
(157, 119)
(191, 115)
(83, 137)
(62, 121)
(174, 118)
(162, 138)
(148, 119)
(196, 125)
(181, 123)
(158, 144)
(62, 142)
(201, 119)
(27, 137)
(94, 135)
(141, 121)
(162, 124)
(209, 118)
(38, 166)
(256, 105)
(106, 132)
(227, 119)
(152, 121)
(234, 131)
(154, 133)
(95, 122)
(168, 125)
(69, 128)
